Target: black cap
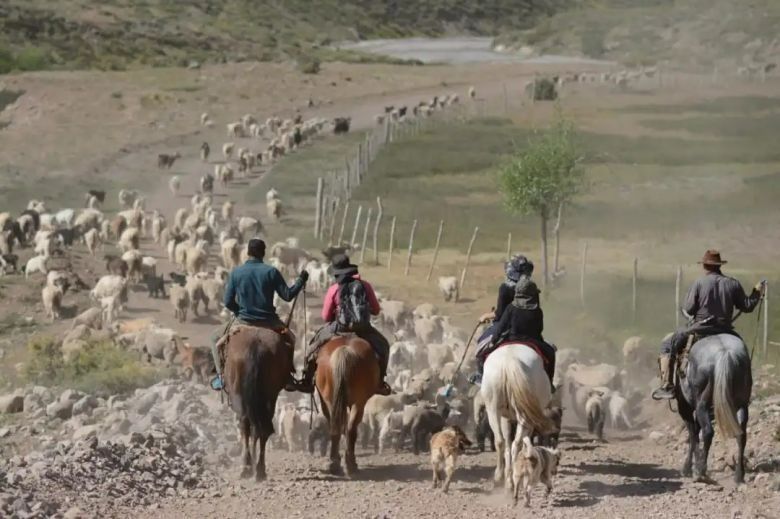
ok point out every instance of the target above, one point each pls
(256, 248)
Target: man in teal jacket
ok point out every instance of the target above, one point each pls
(249, 296)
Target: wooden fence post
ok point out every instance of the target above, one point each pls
(506, 101)
(435, 250)
(377, 223)
(359, 164)
(766, 321)
(357, 224)
(677, 285)
(633, 289)
(347, 176)
(582, 273)
(468, 258)
(318, 215)
(343, 223)
(411, 248)
(392, 244)
(332, 223)
(365, 236)
(509, 246)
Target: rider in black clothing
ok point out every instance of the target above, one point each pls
(519, 267)
(523, 320)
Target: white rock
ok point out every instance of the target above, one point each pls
(70, 395)
(145, 403)
(84, 405)
(61, 410)
(657, 436)
(13, 403)
(85, 432)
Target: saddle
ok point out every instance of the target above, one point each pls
(239, 327)
(530, 343)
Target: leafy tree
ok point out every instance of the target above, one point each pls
(542, 177)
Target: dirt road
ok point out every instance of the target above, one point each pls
(627, 477)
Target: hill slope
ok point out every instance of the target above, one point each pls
(698, 33)
(116, 33)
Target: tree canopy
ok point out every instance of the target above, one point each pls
(544, 174)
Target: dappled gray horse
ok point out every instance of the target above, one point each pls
(717, 384)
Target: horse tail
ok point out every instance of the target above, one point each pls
(519, 395)
(725, 412)
(254, 397)
(343, 362)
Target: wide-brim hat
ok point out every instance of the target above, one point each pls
(712, 257)
(340, 265)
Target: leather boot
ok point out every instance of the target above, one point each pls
(666, 391)
(306, 383)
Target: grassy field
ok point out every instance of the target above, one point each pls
(659, 198)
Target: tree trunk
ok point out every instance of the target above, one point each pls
(557, 234)
(545, 271)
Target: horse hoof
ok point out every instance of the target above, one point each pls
(352, 471)
(246, 473)
(260, 476)
(335, 469)
(686, 472)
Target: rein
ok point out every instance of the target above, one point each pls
(448, 390)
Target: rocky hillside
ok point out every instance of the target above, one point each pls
(112, 34)
(689, 33)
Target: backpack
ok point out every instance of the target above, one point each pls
(354, 309)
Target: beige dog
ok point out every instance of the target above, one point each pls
(534, 465)
(446, 445)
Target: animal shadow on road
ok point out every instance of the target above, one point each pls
(645, 471)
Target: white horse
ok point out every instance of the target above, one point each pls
(515, 388)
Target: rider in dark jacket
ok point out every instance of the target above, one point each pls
(710, 305)
(523, 320)
(517, 266)
(249, 296)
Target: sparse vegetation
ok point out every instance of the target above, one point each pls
(308, 64)
(100, 368)
(544, 90)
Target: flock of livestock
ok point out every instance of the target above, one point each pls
(203, 242)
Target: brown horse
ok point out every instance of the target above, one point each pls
(257, 364)
(347, 376)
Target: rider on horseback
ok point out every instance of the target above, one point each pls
(518, 266)
(249, 295)
(522, 320)
(347, 308)
(710, 307)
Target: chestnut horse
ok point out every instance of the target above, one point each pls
(257, 365)
(347, 376)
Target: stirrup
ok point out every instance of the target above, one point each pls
(476, 379)
(663, 393)
(217, 384)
